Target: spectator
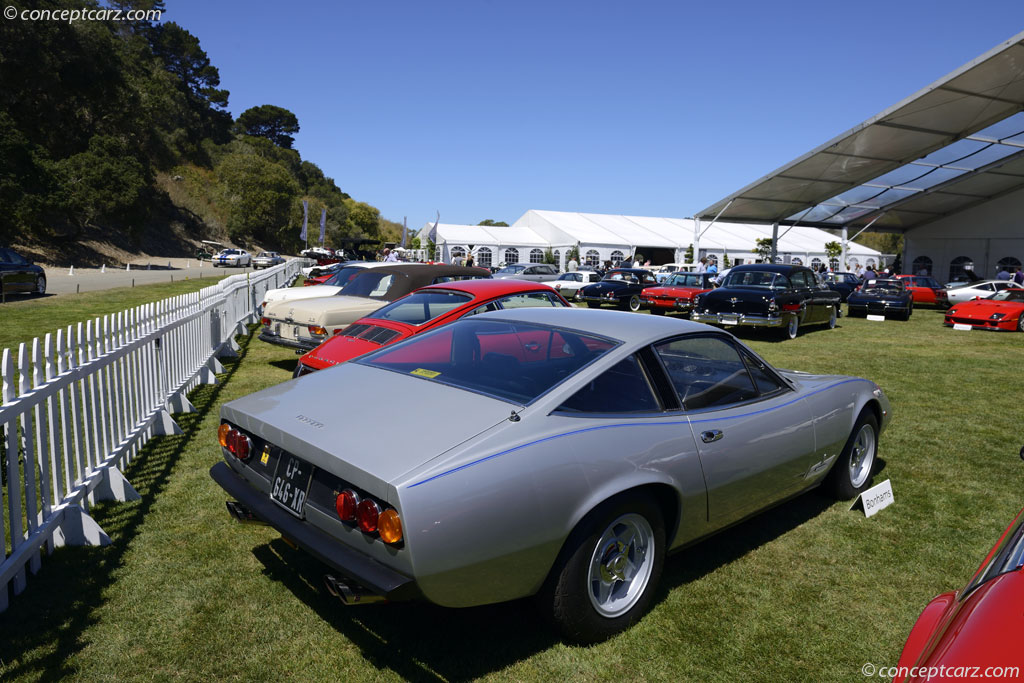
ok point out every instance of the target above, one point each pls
(869, 274)
(1018, 277)
(469, 260)
(703, 267)
(457, 259)
(1003, 274)
(712, 268)
(572, 266)
(390, 256)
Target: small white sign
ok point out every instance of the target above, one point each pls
(876, 317)
(961, 326)
(877, 498)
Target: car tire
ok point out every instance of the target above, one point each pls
(633, 304)
(41, 285)
(910, 310)
(1020, 323)
(792, 328)
(851, 473)
(832, 319)
(594, 304)
(608, 570)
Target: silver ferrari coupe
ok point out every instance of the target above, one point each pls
(559, 453)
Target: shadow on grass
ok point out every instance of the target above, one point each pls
(287, 364)
(42, 629)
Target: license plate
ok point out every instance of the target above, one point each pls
(961, 326)
(291, 483)
(876, 317)
(730, 320)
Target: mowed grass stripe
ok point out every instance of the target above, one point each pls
(806, 591)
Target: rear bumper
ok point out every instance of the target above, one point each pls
(300, 345)
(351, 563)
(743, 319)
(667, 304)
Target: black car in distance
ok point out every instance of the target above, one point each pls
(620, 287)
(784, 297)
(18, 274)
(885, 297)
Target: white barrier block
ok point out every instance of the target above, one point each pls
(180, 404)
(215, 365)
(78, 528)
(164, 425)
(206, 375)
(114, 486)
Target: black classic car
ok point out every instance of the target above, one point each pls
(886, 297)
(18, 274)
(844, 283)
(621, 287)
(766, 295)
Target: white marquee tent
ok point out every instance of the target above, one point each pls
(604, 237)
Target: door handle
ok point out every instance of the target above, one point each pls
(711, 435)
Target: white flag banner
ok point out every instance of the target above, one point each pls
(305, 219)
(323, 223)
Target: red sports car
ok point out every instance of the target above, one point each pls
(676, 294)
(925, 289)
(977, 629)
(425, 309)
(1003, 311)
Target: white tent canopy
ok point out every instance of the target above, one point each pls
(604, 237)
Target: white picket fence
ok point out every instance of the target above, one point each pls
(81, 402)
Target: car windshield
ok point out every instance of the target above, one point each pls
(511, 270)
(575, 277)
(687, 280)
(927, 282)
(620, 276)
(755, 278)
(1008, 295)
(883, 287)
(373, 283)
(343, 276)
(420, 307)
(512, 361)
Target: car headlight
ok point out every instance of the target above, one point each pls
(997, 316)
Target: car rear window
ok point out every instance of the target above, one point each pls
(420, 307)
(370, 283)
(512, 361)
(756, 278)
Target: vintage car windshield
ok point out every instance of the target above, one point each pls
(371, 283)
(512, 361)
(1008, 295)
(620, 276)
(927, 282)
(511, 270)
(883, 287)
(756, 278)
(420, 307)
(686, 280)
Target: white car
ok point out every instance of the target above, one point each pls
(663, 273)
(958, 295)
(568, 284)
(534, 272)
(267, 259)
(346, 272)
(232, 258)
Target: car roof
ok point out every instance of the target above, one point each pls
(768, 267)
(487, 288)
(631, 328)
(634, 271)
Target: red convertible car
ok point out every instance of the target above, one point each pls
(677, 293)
(925, 289)
(973, 633)
(1003, 311)
(425, 309)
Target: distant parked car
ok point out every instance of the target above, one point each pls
(267, 259)
(677, 294)
(885, 297)
(621, 287)
(423, 310)
(18, 274)
(534, 272)
(980, 289)
(925, 289)
(844, 283)
(568, 284)
(232, 258)
(768, 295)
(977, 629)
(1002, 311)
(664, 272)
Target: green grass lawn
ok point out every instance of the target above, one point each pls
(23, 318)
(808, 591)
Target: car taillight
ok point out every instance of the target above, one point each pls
(237, 443)
(345, 505)
(390, 526)
(367, 515)
(316, 329)
(265, 322)
(773, 305)
(222, 434)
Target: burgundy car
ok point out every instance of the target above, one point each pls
(677, 293)
(925, 290)
(422, 310)
(976, 629)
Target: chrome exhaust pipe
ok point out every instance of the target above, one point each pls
(243, 514)
(350, 593)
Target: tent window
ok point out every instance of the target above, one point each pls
(617, 256)
(458, 252)
(815, 263)
(592, 258)
(922, 266)
(558, 259)
(1009, 263)
(959, 266)
(483, 257)
(511, 256)
(536, 256)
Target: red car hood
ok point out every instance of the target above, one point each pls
(340, 348)
(983, 308)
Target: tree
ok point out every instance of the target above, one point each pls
(492, 223)
(258, 194)
(104, 183)
(549, 257)
(833, 250)
(267, 121)
(688, 256)
(764, 249)
(183, 57)
(725, 261)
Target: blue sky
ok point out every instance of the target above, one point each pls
(485, 109)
